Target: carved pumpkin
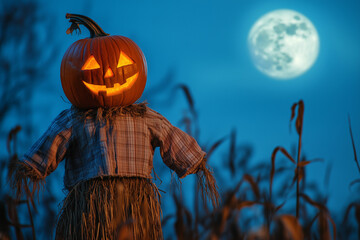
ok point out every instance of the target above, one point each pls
(103, 70)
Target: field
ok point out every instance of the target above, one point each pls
(267, 201)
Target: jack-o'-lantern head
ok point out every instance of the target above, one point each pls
(103, 70)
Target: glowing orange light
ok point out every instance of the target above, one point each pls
(109, 73)
(90, 64)
(112, 91)
(124, 60)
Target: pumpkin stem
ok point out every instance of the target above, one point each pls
(76, 19)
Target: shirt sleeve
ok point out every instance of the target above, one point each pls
(179, 151)
(49, 150)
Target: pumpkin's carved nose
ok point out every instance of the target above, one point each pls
(109, 73)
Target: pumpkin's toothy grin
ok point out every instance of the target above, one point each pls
(115, 90)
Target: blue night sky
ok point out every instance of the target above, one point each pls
(204, 45)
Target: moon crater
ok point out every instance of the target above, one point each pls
(283, 44)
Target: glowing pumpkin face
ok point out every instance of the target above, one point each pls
(118, 88)
(103, 71)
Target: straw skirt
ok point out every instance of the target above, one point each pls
(111, 208)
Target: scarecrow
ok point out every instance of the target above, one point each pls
(107, 142)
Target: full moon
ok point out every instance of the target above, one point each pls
(283, 44)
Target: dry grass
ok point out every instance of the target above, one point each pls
(237, 215)
(256, 206)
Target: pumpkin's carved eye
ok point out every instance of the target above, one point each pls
(90, 64)
(124, 60)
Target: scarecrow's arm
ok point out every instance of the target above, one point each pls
(181, 153)
(43, 157)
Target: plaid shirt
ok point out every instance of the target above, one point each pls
(123, 148)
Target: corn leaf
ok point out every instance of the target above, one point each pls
(292, 226)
